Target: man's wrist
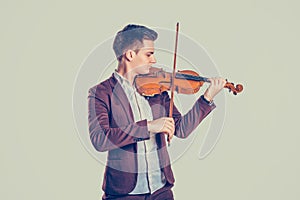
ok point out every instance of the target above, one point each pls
(149, 127)
(207, 100)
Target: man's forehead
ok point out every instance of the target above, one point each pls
(148, 45)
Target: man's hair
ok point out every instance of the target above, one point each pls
(131, 37)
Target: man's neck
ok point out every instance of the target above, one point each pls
(127, 74)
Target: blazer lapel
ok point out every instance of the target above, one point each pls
(119, 94)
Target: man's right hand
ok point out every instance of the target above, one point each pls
(163, 124)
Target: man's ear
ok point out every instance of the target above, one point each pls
(129, 55)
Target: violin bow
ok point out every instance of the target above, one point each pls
(173, 77)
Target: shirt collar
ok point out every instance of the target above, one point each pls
(123, 81)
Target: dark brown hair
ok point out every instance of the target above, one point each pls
(131, 37)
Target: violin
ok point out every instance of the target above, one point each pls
(185, 82)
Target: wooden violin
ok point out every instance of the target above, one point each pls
(185, 82)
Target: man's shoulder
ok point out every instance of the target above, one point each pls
(103, 87)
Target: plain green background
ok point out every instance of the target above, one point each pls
(43, 44)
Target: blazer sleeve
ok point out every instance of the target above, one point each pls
(102, 135)
(184, 125)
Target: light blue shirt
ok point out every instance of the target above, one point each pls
(150, 178)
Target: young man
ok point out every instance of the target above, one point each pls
(132, 128)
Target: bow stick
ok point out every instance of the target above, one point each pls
(172, 78)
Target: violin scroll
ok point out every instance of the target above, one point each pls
(234, 89)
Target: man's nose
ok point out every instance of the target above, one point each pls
(153, 60)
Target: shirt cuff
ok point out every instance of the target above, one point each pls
(210, 103)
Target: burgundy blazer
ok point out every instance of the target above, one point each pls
(112, 128)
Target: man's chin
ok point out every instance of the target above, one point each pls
(146, 71)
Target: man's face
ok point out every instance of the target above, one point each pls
(143, 60)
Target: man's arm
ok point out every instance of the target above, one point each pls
(203, 106)
(182, 126)
(102, 135)
(186, 124)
